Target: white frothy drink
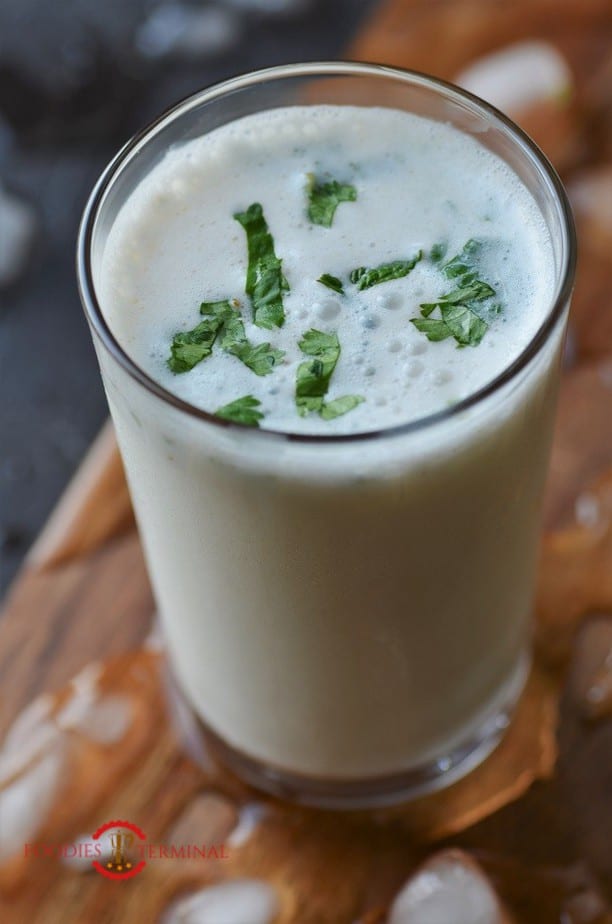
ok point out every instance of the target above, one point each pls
(350, 609)
(418, 184)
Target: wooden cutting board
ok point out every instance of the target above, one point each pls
(99, 748)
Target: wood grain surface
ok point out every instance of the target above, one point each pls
(84, 710)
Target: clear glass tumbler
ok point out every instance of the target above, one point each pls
(347, 616)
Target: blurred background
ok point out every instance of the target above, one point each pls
(77, 78)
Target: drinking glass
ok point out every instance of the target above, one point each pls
(348, 616)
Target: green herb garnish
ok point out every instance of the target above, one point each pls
(221, 319)
(261, 358)
(438, 252)
(459, 322)
(339, 406)
(324, 199)
(332, 282)
(191, 347)
(313, 377)
(463, 263)
(242, 410)
(265, 282)
(365, 278)
(461, 309)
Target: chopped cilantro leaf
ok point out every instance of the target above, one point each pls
(332, 282)
(243, 410)
(461, 309)
(265, 282)
(313, 377)
(365, 278)
(324, 199)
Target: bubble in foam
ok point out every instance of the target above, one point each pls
(390, 300)
(328, 309)
(417, 348)
(414, 368)
(441, 376)
(395, 346)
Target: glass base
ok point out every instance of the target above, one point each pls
(352, 794)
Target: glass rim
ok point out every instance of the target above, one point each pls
(101, 329)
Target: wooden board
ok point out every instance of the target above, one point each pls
(99, 748)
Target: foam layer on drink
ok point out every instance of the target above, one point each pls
(419, 183)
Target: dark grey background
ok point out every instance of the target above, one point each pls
(77, 77)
